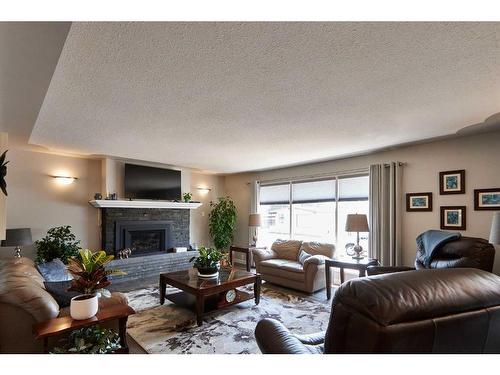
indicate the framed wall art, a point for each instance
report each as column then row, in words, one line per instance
column 452, row 182
column 416, row 202
column 453, row 217
column 487, row 199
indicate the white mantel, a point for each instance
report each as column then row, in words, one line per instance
column 104, row 203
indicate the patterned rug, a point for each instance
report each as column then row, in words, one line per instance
column 171, row 329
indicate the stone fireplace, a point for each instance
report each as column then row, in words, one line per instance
column 147, row 231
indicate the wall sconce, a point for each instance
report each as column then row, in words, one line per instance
column 204, row 190
column 64, row 180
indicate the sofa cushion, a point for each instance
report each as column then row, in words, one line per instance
column 287, row 249
column 316, row 248
column 283, row 268
column 59, row 291
column 303, row 256
column 54, row 271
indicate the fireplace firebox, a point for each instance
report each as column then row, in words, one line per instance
column 144, row 237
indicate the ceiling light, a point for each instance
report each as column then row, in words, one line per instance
column 64, row 180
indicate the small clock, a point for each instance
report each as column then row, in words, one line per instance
column 230, row 295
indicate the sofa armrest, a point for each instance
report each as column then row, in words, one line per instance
column 260, row 255
column 317, row 338
column 380, row 270
column 274, row 338
column 316, row 260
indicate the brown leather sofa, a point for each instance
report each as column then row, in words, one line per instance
column 24, row 301
column 467, row 252
column 454, row 310
column 281, row 264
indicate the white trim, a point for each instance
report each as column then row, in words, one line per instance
column 105, row 203
column 320, row 176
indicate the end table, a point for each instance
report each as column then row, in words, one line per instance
column 346, row 262
column 247, row 250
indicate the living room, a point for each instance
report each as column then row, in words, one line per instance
column 249, row 188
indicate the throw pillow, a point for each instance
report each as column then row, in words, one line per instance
column 59, row 291
column 54, row 271
column 303, row 256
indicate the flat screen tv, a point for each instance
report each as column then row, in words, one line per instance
column 143, row 182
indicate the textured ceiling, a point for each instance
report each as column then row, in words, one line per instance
column 230, row 97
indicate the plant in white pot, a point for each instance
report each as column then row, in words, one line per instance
column 90, row 279
column 207, row 262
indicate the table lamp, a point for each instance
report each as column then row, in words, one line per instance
column 356, row 223
column 495, row 229
column 17, row 237
column 254, row 220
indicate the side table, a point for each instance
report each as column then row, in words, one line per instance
column 346, row 262
column 57, row 326
column 247, row 250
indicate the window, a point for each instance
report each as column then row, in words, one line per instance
column 313, row 210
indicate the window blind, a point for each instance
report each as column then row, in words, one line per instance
column 353, row 188
column 314, row 191
column 275, row 194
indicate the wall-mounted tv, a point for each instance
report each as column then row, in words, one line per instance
column 143, row 182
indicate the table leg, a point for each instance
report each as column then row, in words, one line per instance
column 200, row 307
column 256, row 289
column 122, row 329
column 362, row 272
column 163, row 288
column 328, row 282
column 231, row 256
column 342, row 276
column 248, row 261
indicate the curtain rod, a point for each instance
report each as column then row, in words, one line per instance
column 316, row 176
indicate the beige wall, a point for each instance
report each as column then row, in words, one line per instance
column 479, row 155
column 3, row 207
column 36, row 201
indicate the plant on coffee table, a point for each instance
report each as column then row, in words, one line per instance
column 208, row 260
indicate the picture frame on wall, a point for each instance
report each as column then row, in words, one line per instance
column 418, row 202
column 452, row 182
column 453, row 217
column 487, row 199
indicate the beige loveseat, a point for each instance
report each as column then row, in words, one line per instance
column 281, row 264
column 24, row 301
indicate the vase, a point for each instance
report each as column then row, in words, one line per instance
column 84, row 306
column 209, row 272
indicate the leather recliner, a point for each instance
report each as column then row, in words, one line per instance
column 467, row 252
column 430, row 311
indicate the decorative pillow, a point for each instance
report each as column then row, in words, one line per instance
column 54, row 271
column 316, row 248
column 303, row 256
column 59, row 290
column 287, row 249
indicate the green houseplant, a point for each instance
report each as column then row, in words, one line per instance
column 186, row 197
column 58, row 243
column 90, row 340
column 90, row 278
column 208, row 261
column 222, row 222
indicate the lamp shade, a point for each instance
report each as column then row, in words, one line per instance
column 495, row 229
column 17, row 237
column 356, row 223
column 254, row 220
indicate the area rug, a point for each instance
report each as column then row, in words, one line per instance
column 171, row 329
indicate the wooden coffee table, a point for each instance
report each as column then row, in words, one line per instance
column 205, row 295
column 346, row 262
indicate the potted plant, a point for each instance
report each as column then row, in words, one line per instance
column 58, row 243
column 186, row 197
column 222, row 222
column 90, row 279
column 90, row 340
column 207, row 262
